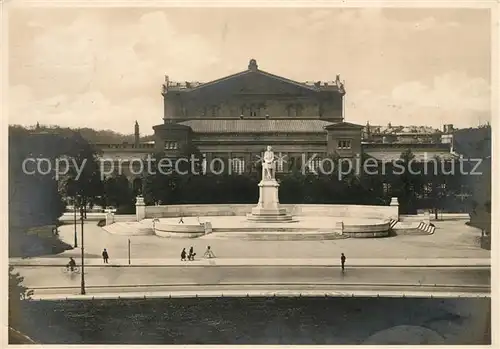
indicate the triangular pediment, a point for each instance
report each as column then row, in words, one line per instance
column 255, row 82
column 344, row 126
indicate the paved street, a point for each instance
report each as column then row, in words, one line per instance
column 36, row 277
column 452, row 239
column 255, row 262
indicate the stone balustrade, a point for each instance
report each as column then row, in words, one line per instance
column 364, row 211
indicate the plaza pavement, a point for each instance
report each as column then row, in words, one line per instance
column 452, row 239
column 397, row 264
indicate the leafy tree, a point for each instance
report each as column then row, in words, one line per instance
column 83, row 180
column 118, row 193
column 33, row 197
column 407, row 181
column 17, row 293
column 157, row 185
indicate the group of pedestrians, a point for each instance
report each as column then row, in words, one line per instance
column 190, row 256
column 184, row 257
column 72, row 266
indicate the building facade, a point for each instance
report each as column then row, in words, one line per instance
column 237, row 116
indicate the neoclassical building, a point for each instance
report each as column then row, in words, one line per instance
column 236, row 116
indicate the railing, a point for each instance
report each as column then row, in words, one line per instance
column 124, row 145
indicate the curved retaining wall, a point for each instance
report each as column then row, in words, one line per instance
column 366, row 211
column 179, row 231
column 367, row 230
column 130, row 229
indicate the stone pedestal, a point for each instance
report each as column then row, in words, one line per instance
column 140, row 208
column 268, row 208
column 395, row 205
column 110, row 217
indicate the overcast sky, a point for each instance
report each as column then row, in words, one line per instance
column 103, row 68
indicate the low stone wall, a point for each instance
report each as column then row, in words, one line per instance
column 366, row 230
column 68, row 217
column 167, row 211
column 417, row 218
column 179, row 230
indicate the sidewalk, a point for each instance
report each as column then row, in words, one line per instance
column 264, row 293
column 275, row 262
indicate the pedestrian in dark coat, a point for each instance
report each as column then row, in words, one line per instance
column 191, row 254
column 105, row 256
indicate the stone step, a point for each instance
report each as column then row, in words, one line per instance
column 278, row 236
column 273, row 230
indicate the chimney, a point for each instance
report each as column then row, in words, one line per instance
column 136, row 133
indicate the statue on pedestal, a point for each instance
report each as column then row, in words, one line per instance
column 268, row 208
column 268, row 165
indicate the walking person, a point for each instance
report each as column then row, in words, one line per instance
column 209, row 253
column 191, row 254
column 105, row 256
column 342, row 261
column 181, row 221
column 183, row 254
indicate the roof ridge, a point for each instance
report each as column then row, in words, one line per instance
column 256, row 71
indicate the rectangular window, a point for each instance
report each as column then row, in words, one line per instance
column 298, row 110
column 314, row 164
column 387, row 187
column 344, row 144
column 427, row 190
column 171, row 145
column 238, row 165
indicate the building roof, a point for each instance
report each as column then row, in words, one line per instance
column 187, row 86
column 401, row 129
column 257, row 126
column 392, row 156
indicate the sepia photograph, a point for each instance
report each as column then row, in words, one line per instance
column 249, row 175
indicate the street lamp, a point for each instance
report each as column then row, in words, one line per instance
column 82, row 290
column 74, row 210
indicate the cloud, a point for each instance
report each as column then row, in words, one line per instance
column 100, row 75
column 90, row 109
column 450, row 98
column 105, row 69
column 115, row 59
column 425, row 23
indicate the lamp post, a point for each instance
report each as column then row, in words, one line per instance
column 74, row 211
column 82, row 290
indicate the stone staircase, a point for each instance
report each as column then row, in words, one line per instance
column 429, row 229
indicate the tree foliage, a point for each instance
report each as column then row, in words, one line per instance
column 118, row 193
column 17, row 293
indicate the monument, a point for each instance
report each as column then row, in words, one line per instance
column 268, row 208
